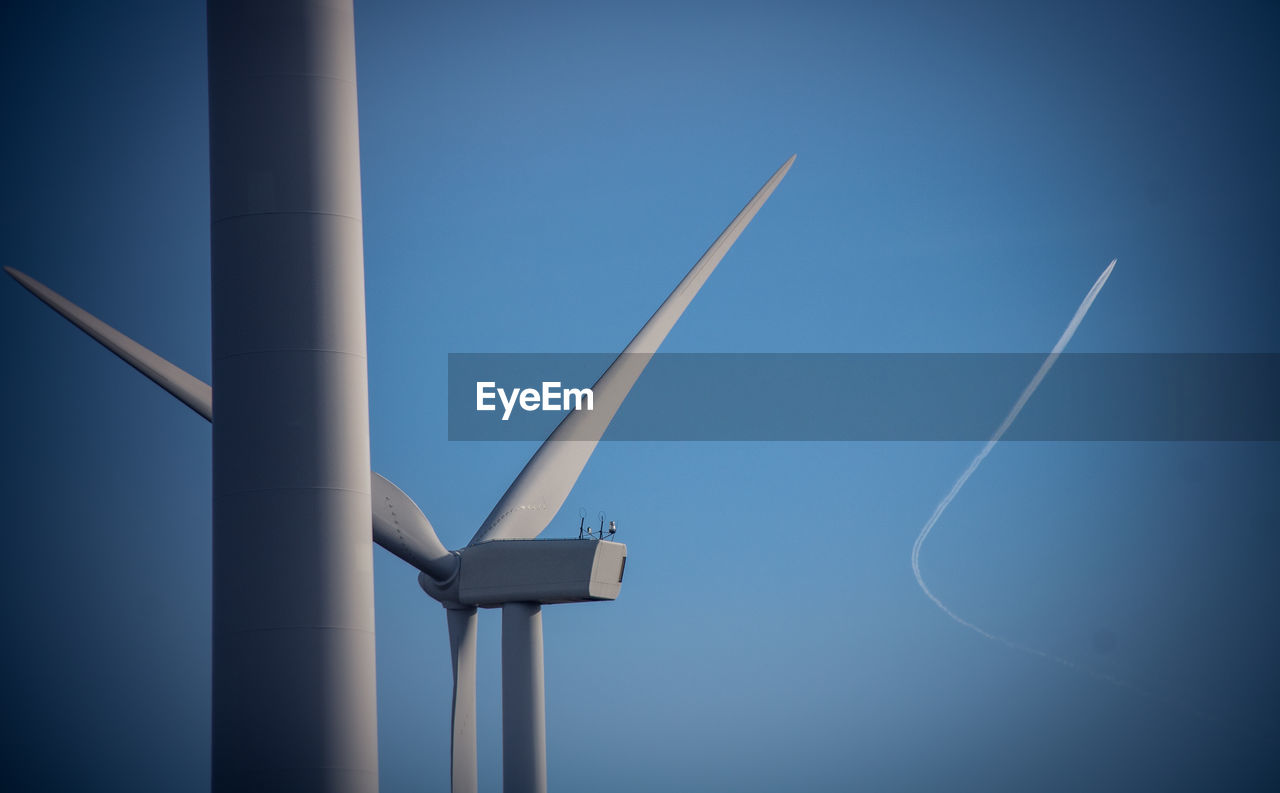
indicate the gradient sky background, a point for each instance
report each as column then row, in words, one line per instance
column 536, row 178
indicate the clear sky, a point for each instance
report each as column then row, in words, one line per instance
column 536, row 178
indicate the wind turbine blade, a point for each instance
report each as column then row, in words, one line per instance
column 541, row 488
column 398, row 524
column 400, row 527
column 462, row 646
column 191, row 391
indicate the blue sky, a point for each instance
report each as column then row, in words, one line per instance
column 536, row 179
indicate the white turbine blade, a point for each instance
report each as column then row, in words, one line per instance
column 400, row 527
column 398, row 524
column 462, row 646
column 541, row 488
column 191, row 391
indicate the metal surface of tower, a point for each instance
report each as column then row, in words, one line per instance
column 294, row 703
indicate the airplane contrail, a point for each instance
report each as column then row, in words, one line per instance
column 1180, row 703
column 977, row 461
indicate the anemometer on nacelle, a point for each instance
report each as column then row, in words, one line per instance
column 586, row 532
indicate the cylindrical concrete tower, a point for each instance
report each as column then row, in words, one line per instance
column 524, row 704
column 293, row 627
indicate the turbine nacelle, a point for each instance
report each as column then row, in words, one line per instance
column 495, row 572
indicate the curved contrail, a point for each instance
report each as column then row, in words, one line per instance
column 982, row 455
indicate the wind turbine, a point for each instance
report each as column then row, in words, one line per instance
column 503, row 565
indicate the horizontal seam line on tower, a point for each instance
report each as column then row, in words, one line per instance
column 274, row 770
column 235, row 77
column 302, row 628
column 224, row 494
column 291, row 349
column 243, row 215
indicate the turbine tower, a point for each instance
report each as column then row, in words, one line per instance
column 294, row 695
